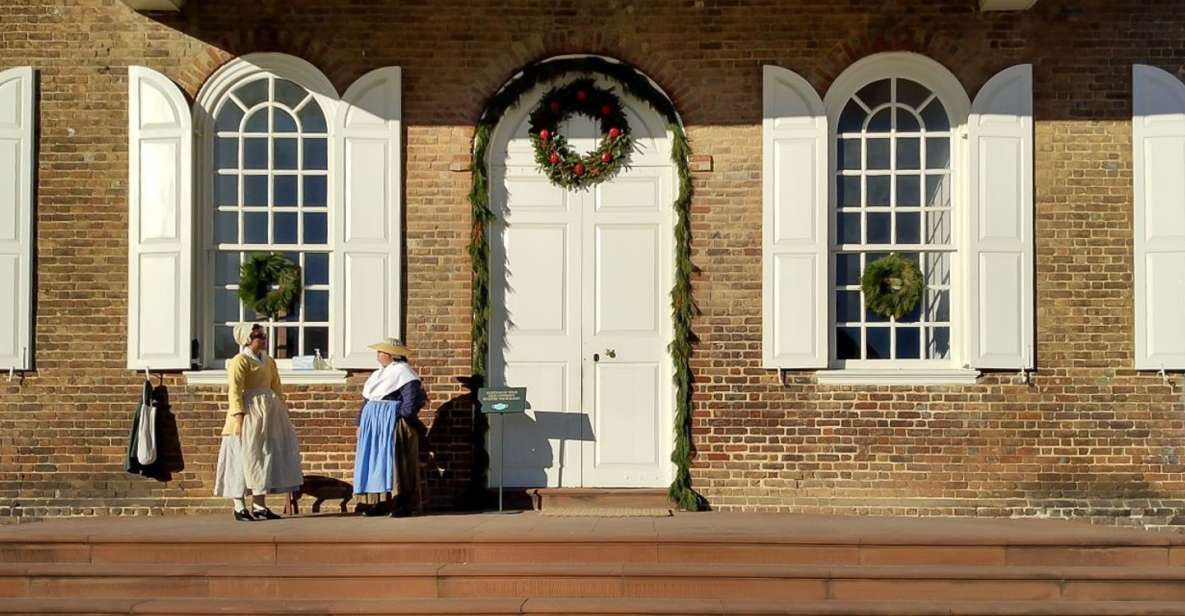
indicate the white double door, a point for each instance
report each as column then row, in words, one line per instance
column 580, row 283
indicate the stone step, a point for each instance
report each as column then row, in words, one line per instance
column 574, row 607
column 598, row 501
column 596, row 580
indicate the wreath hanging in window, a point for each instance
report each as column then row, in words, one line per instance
column 260, row 274
column 892, row 286
column 556, row 159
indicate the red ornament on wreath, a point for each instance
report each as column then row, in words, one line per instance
column 572, row 170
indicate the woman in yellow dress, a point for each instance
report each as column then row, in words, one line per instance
column 259, row 453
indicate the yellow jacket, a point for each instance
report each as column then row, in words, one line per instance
column 244, row 373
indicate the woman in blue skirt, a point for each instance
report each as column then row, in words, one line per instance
column 386, row 459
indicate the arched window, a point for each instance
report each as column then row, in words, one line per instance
column 894, row 122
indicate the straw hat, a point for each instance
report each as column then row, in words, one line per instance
column 391, row 346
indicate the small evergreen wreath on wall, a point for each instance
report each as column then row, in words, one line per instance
column 262, row 272
column 564, row 167
column 892, row 286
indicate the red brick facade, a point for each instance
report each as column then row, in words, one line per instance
column 1090, row 437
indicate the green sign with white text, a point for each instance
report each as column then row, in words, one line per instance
column 502, row 399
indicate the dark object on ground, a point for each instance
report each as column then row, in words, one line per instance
column 322, row 489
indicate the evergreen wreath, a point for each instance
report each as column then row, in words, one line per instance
column 262, row 272
column 892, row 286
column 683, row 306
column 564, row 167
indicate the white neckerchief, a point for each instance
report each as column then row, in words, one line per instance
column 246, row 350
column 387, row 379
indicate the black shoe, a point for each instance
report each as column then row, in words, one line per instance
column 265, row 514
column 376, row 511
column 401, row 512
column 243, row 516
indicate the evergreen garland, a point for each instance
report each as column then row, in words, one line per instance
column 257, row 277
column 892, row 286
column 683, row 305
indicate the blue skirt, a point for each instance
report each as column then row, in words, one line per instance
column 374, row 458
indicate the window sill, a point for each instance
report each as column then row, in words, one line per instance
column 909, row 376
column 287, row 377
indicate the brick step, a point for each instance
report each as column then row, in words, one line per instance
column 588, row 501
column 574, row 607
column 596, row 580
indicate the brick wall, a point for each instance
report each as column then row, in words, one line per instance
column 1089, row 438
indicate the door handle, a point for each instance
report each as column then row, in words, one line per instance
column 611, row 353
column 596, row 357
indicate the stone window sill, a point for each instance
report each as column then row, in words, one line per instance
column 287, row 377
column 911, row 376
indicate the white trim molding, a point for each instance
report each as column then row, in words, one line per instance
column 888, row 376
column 1006, row 5
column 287, row 377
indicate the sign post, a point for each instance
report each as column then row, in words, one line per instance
column 502, row 401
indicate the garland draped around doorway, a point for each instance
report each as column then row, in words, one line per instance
column 683, row 305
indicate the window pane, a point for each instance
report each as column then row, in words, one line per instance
column 938, row 306
column 229, row 117
column 934, row 115
column 255, row 153
column 316, row 156
column 285, row 153
column 852, row 118
column 316, row 268
column 847, row 307
column 911, row 93
column 909, row 227
column 914, row 315
column 847, row 343
column 315, row 230
column 255, row 227
column 315, row 191
column 226, row 268
column 289, row 93
column 909, row 193
column 847, row 269
column 285, row 340
column 311, row 118
column 938, row 344
column 226, row 227
column 879, row 190
column 224, row 343
column 938, row 153
column 909, row 153
column 876, row 93
column 907, row 122
column 909, row 342
column 316, row 339
column 226, row 306
column 228, row 189
column 226, row 153
column 878, row 154
column 292, row 313
column 255, row 190
column 881, row 122
column 282, row 121
column 257, row 121
column 849, row 191
column 937, row 191
column 879, row 226
column 938, row 227
column 849, row 154
column 285, row 227
column 848, row 229
column 284, row 190
column 316, row 305
column 937, row 269
column 253, row 93
column 877, row 343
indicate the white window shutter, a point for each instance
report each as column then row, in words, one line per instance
column 16, row 218
column 1158, row 170
column 367, row 227
column 794, row 239
column 1000, row 280
column 160, row 222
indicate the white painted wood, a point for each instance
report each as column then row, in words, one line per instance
column 1158, row 161
column 17, row 119
column 1006, row 5
column 160, row 222
column 573, row 274
column 794, row 223
column 367, row 219
column 1000, row 289
column 906, row 376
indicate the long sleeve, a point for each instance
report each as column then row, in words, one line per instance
column 275, row 384
column 236, row 374
column 411, row 398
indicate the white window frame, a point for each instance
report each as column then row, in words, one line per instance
column 220, row 84
column 950, row 92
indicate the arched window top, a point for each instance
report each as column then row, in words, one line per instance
column 901, row 80
column 250, row 80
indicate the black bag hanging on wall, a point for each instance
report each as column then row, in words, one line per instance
column 130, row 463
